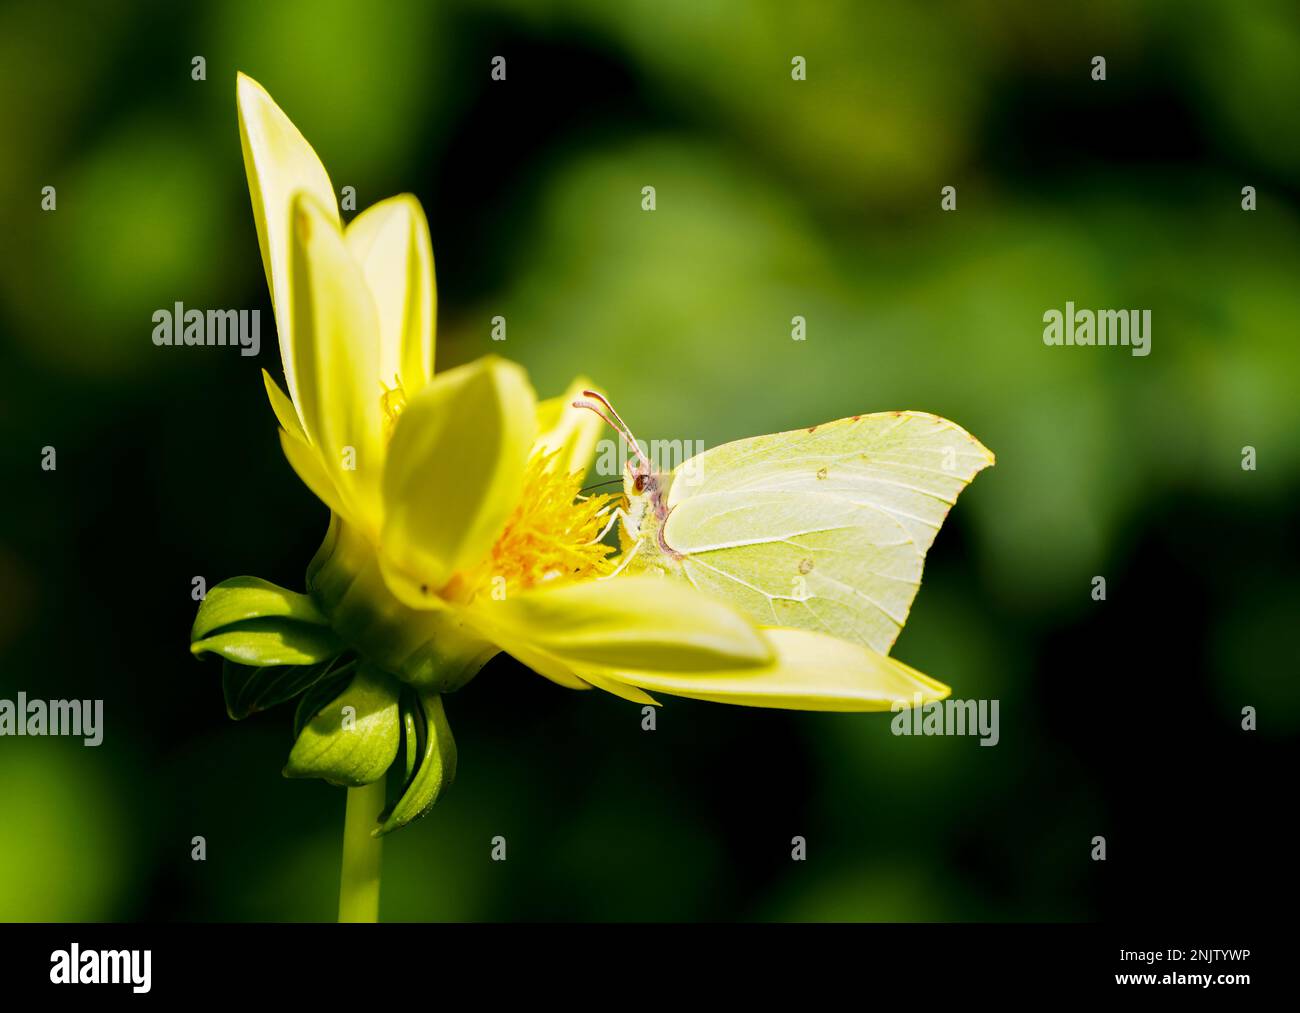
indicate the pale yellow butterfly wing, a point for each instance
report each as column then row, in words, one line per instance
column 825, row 528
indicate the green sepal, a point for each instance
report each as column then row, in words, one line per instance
column 319, row 696
column 261, row 643
column 354, row 739
column 249, row 690
column 431, row 760
column 412, row 732
column 241, row 598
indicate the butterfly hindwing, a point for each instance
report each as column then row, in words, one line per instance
column 806, row 560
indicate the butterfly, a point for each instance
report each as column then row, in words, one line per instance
column 822, row 529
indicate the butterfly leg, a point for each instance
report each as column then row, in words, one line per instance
column 614, row 517
column 627, row 558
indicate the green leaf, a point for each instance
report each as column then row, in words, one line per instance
column 435, row 766
column 272, row 641
column 249, row 690
column 353, row 740
column 241, row 598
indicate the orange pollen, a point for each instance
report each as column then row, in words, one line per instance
column 552, row 536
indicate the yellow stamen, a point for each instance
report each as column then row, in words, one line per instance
column 553, row 535
column 393, row 400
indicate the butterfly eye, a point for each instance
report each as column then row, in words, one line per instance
column 638, row 483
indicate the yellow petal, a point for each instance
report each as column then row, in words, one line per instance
column 810, row 671
column 519, row 647
column 620, row 689
column 285, row 413
column 632, row 622
column 540, row 662
column 336, row 354
column 391, row 243
column 307, row 463
column 279, row 162
column 454, row 474
column 573, row 432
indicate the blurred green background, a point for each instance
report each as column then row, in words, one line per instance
column 775, row 198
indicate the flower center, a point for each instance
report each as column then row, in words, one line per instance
column 553, row 535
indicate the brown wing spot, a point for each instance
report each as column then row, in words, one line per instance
column 822, row 472
column 855, row 418
column 812, row 429
column 805, row 565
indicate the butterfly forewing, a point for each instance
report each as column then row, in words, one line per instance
column 824, row 528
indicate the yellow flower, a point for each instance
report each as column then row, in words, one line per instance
column 457, row 527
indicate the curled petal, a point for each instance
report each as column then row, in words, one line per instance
column 390, row 241
column 454, row 474
column 625, row 622
column 279, row 163
column 808, row 671
column 336, row 354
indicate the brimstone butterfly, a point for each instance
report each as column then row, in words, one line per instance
column 822, row 529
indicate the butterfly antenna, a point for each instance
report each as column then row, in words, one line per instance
column 610, row 408
column 615, row 423
column 599, row 485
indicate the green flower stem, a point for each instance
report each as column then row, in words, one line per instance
column 362, row 854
